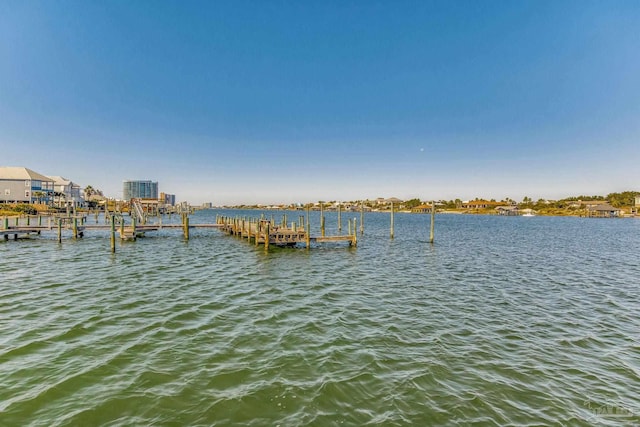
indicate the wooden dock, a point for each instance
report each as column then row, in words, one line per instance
column 262, row 231
column 267, row 232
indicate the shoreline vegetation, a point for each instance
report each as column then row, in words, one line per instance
column 625, row 204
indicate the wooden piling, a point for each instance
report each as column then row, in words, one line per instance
column 59, row 230
column 340, row 218
column 433, row 221
column 186, row 227
column 258, row 224
column 75, row 227
column 354, row 239
column 266, row 236
column 361, row 217
column 321, row 220
column 308, row 234
column 392, row 220
column 113, row 233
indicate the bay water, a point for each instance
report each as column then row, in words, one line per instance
column 502, row 321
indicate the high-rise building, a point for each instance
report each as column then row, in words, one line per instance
column 139, row 190
column 168, row 199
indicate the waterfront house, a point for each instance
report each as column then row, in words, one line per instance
column 479, row 204
column 604, row 210
column 422, row 209
column 66, row 192
column 508, row 210
column 22, row 185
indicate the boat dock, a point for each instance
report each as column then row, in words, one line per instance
column 262, row 231
column 267, row 232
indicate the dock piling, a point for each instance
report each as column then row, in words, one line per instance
column 391, row 220
column 433, row 220
column 308, row 234
column 113, row 234
column 354, row 240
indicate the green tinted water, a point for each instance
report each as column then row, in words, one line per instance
column 503, row 321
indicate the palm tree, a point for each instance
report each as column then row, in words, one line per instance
column 38, row 195
column 88, row 192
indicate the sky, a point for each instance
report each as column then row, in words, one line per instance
column 263, row 102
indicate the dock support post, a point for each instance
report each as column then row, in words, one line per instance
column 308, row 225
column 340, row 218
column 349, row 227
column 59, row 230
column 186, row 227
column 113, row 233
column 361, row 217
column 433, row 221
column 28, row 220
column 75, row 227
column 39, row 221
column 321, row 219
column 392, row 220
column 266, row 237
column 354, row 237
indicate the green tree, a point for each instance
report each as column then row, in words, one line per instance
column 410, row 204
column 624, row 199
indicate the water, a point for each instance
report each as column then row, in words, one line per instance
column 519, row 321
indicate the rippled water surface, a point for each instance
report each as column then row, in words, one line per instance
column 519, row 321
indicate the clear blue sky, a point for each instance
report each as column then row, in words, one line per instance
column 286, row 101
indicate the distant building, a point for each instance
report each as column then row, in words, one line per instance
column 508, row 210
column 426, row 208
column 604, row 210
column 66, row 192
column 207, row 205
column 168, row 199
column 139, row 190
column 22, row 185
column 479, row 204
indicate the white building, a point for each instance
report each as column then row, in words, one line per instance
column 66, row 192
